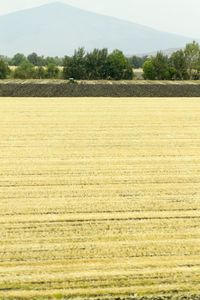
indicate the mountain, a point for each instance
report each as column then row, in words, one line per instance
column 167, row 52
column 58, row 29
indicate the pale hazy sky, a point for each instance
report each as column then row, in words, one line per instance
column 178, row 16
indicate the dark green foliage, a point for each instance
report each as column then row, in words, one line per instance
column 137, row 61
column 40, row 73
column 182, row 65
column 52, row 71
column 162, row 66
column 100, row 65
column 5, row 59
column 25, row 71
column 57, row 61
column 4, row 70
column 28, row 71
column 75, row 66
column 179, row 66
column 18, row 59
column 118, row 66
column 36, row 60
column 97, row 65
column 157, row 67
column 149, row 70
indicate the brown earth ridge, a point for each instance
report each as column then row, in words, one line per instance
column 63, row 88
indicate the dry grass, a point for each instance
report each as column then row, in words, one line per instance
column 99, row 197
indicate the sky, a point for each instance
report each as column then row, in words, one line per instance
column 176, row 16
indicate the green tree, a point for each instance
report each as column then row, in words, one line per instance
column 75, row 66
column 198, row 68
column 118, row 67
column 179, row 65
column 25, row 71
column 162, row 66
column 52, row 71
column 36, row 60
column 58, row 61
column 96, row 64
column 18, row 59
column 4, row 70
column 149, row 71
column 40, row 72
column 137, row 61
column 5, row 59
column 158, row 68
column 192, row 56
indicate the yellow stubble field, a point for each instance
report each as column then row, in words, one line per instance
column 99, row 197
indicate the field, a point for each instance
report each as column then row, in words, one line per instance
column 99, row 197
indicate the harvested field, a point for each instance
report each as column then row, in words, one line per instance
column 99, row 197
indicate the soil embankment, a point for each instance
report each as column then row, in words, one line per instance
column 61, row 88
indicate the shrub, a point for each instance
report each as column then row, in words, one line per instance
column 25, row 71
column 4, row 70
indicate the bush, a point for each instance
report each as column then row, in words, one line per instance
column 25, row 71
column 18, row 59
column 40, row 73
column 52, row 71
column 149, row 71
column 118, row 67
column 4, row 70
column 158, row 68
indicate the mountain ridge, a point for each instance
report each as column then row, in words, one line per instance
column 62, row 28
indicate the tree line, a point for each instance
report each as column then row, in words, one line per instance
column 95, row 65
column 32, row 66
column 99, row 64
column 181, row 65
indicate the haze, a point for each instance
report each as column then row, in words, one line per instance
column 176, row 16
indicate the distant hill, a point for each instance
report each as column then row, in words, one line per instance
column 58, row 29
column 167, row 52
